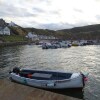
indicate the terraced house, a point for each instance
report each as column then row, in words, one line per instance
column 4, row 31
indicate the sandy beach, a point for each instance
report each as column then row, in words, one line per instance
column 14, row 91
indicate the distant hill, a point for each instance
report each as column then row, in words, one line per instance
column 89, row 28
column 85, row 32
column 41, row 31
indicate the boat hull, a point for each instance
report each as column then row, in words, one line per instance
column 49, row 84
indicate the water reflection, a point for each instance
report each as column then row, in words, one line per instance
column 9, row 57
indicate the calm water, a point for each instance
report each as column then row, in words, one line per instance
column 74, row 59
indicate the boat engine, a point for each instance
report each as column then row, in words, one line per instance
column 16, row 70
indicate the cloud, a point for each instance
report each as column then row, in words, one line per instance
column 55, row 12
column 13, row 11
column 78, row 10
column 97, row 0
column 55, row 26
column 97, row 17
column 51, row 14
column 38, row 10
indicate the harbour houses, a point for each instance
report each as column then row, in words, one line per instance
column 34, row 36
column 4, row 31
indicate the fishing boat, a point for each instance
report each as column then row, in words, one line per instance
column 49, row 46
column 48, row 79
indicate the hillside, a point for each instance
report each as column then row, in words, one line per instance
column 85, row 32
column 89, row 28
column 41, row 31
column 14, row 30
column 18, row 31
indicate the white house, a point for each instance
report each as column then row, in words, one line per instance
column 46, row 37
column 32, row 36
column 4, row 31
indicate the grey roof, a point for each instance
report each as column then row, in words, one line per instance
column 1, row 28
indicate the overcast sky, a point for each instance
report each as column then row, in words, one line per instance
column 51, row 14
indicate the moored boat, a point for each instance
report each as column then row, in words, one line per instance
column 48, row 79
column 49, row 46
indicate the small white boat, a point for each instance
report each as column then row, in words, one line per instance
column 48, row 79
column 49, row 46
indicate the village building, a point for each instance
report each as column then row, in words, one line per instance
column 44, row 37
column 32, row 36
column 4, row 31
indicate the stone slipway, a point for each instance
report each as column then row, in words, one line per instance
column 14, row 91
